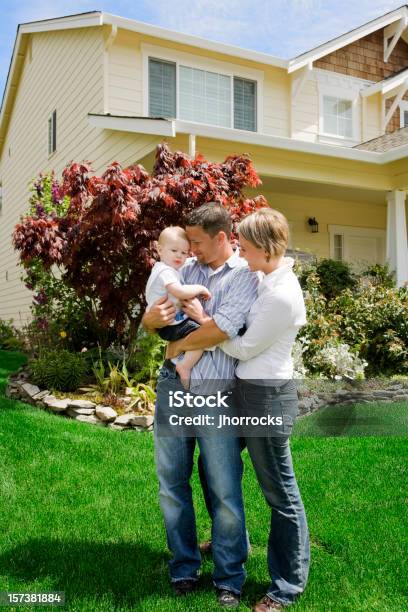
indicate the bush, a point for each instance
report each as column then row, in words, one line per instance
column 147, row 358
column 380, row 275
column 334, row 276
column 58, row 370
column 368, row 323
column 10, row 337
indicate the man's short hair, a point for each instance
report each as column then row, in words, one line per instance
column 212, row 217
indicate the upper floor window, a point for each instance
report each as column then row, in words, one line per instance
column 203, row 96
column 337, row 116
column 52, row 133
column 404, row 114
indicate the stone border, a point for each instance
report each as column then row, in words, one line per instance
column 309, row 401
column 85, row 411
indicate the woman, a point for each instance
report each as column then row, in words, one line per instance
column 265, row 386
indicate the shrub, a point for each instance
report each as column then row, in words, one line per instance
column 147, row 358
column 58, row 370
column 334, row 276
column 380, row 275
column 10, row 337
column 103, row 242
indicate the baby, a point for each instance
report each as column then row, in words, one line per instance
column 174, row 248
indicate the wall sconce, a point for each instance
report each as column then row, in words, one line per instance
column 314, row 226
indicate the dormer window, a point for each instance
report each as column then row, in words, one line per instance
column 337, row 117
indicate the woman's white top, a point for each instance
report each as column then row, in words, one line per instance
column 264, row 351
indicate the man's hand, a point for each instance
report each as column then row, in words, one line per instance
column 173, row 349
column 194, row 310
column 161, row 313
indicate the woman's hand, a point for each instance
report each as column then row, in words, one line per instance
column 173, row 349
column 194, row 310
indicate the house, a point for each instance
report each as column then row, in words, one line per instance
column 327, row 130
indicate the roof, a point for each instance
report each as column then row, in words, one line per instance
column 387, row 85
column 386, row 142
column 330, row 46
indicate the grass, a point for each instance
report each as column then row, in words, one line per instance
column 79, row 513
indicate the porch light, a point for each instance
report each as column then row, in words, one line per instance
column 314, row 226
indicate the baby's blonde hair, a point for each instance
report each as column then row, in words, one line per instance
column 174, row 231
column 267, row 229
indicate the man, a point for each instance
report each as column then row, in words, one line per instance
column 234, row 289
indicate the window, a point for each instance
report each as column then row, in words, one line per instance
column 404, row 114
column 205, row 97
column 244, row 104
column 162, row 88
column 338, row 247
column 194, row 94
column 52, row 133
column 337, row 116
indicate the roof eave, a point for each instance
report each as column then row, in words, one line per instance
column 346, row 39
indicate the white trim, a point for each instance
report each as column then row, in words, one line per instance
column 343, row 94
column 393, row 31
column 403, row 109
column 194, row 41
column 386, row 87
column 346, row 39
column 397, row 244
column 195, row 61
column 134, row 124
column 86, row 20
column 138, row 125
column 352, row 230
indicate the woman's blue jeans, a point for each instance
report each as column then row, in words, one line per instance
column 288, row 544
column 222, row 464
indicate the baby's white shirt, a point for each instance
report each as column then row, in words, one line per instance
column 160, row 276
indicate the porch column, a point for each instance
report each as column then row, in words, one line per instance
column 397, row 244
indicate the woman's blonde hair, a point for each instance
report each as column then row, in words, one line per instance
column 267, row 229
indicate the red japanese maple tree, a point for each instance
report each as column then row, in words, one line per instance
column 104, row 243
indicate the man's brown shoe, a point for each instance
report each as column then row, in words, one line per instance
column 267, row 605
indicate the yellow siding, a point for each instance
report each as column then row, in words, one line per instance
column 65, row 73
column 373, row 117
column 298, row 209
column 125, row 75
column 125, row 79
column 305, row 113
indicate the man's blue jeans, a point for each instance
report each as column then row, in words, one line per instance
column 222, row 464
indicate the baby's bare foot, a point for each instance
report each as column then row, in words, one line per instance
column 185, row 373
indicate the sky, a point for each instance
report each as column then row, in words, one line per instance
column 283, row 28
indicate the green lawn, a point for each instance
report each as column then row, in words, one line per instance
column 79, row 513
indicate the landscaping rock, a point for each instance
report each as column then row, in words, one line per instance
column 142, row 420
column 29, row 390
column 106, row 413
column 54, row 404
column 74, row 412
column 93, row 420
column 125, row 419
column 117, row 427
column 79, row 403
column 41, row 395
